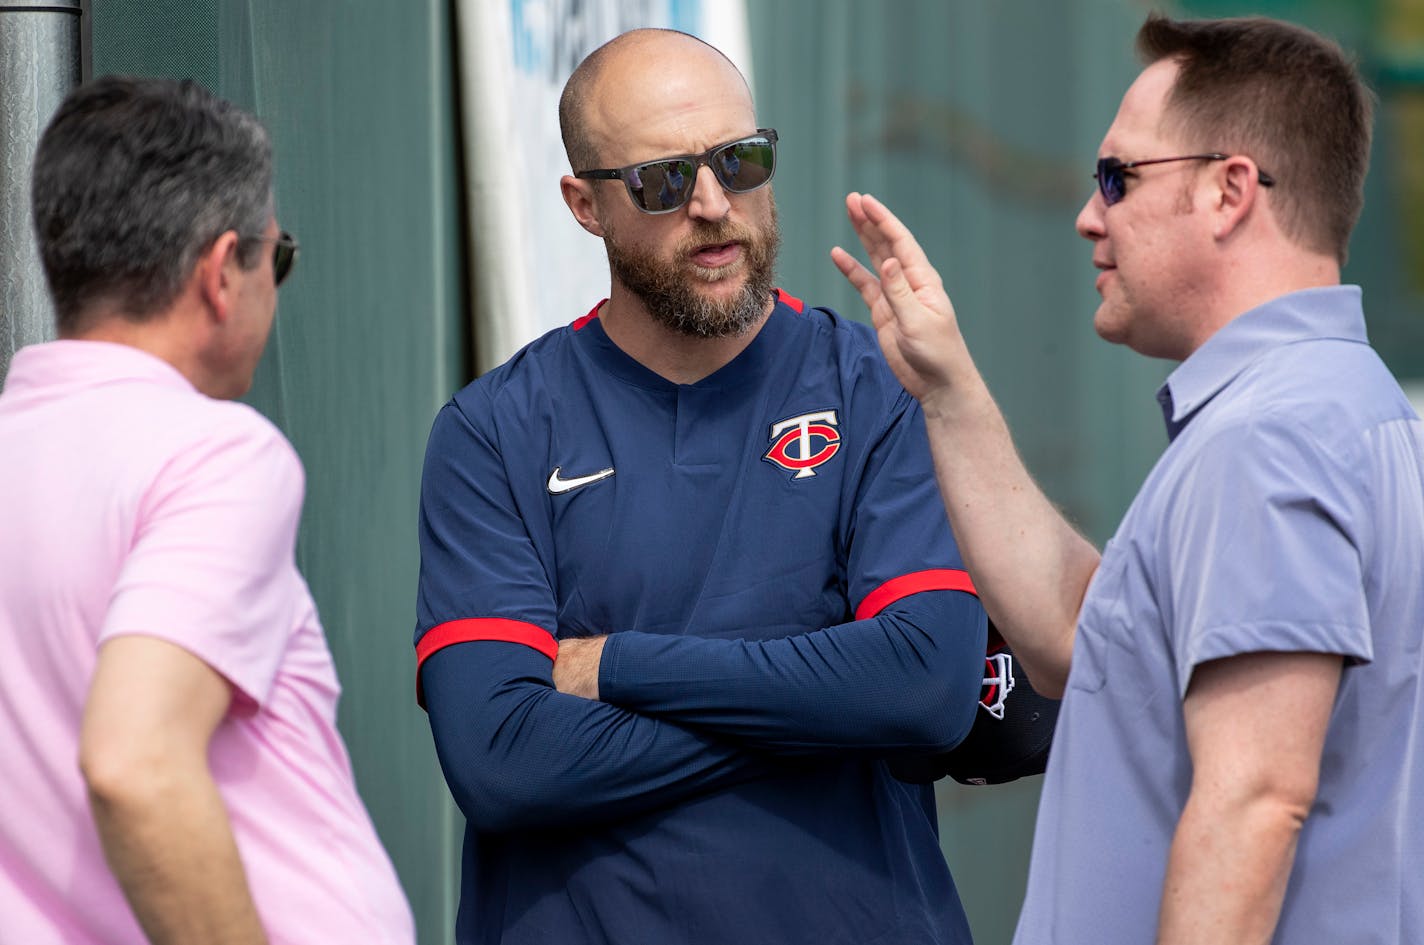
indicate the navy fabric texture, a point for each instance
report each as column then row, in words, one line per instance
column 733, row 784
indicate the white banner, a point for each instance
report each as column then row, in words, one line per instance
column 533, row 268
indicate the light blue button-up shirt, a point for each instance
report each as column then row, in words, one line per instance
column 1287, row 514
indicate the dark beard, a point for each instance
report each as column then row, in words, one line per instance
column 670, row 295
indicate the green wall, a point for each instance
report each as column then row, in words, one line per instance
column 368, row 340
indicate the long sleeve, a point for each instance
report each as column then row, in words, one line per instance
column 904, row 673
column 906, row 679
column 516, row 752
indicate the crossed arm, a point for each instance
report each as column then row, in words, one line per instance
column 694, row 714
column 904, row 680
column 151, row 710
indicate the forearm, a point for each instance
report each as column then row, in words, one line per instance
column 1227, row 872
column 168, row 841
column 143, row 752
column 1030, row 567
column 518, row 754
column 908, row 679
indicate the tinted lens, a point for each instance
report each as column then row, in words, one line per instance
column 284, row 253
column 1110, row 180
column 660, row 186
column 744, row 165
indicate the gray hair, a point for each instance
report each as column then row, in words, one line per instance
column 133, row 179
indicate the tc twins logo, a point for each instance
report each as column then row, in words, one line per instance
column 998, row 683
column 802, row 443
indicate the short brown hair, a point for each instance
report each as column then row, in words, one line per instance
column 1289, row 98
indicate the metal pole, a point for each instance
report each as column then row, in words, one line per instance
column 39, row 64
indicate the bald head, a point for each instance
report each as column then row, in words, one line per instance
column 609, row 89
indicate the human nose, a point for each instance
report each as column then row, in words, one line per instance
column 709, row 201
column 1090, row 219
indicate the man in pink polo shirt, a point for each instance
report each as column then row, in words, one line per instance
column 170, row 768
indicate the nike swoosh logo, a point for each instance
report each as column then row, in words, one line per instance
column 559, row 486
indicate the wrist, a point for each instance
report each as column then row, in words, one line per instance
column 576, row 668
column 938, row 402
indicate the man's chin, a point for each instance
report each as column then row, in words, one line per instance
column 1110, row 325
column 724, row 294
column 727, row 279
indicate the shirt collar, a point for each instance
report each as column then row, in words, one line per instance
column 1327, row 312
column 70, row 364
column 752, row 362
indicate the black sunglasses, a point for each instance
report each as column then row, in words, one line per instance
column 1112, row 173
column 284, row 253
column 663, row 185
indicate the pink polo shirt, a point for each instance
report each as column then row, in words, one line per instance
column 132, row 504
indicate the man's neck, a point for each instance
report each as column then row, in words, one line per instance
column 672, row 355
column 1262, row 280
column 166, row 336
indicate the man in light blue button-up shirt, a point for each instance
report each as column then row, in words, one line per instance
column 1240, row 754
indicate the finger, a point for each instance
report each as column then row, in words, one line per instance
column 853, row 207
column 860, row 277
column 899, row 242
column 896, row 288
column 892, row 230
column 865, row 230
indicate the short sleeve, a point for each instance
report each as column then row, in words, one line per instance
column 900, row 542
column 1264, row 549
column 212, row 564
column 481, row 576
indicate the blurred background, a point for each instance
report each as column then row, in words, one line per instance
column 418, row 161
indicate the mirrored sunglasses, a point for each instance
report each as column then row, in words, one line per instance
column 666, row 184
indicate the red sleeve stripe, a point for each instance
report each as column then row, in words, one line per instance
column 791, row 300
column 583, row 320
column 480, row 628
column 939, row 579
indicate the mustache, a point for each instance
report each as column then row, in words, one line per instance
column 715, row 234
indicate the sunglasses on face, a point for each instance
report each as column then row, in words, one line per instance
column 663, row 185
column 284, row 253
column 1111, row 174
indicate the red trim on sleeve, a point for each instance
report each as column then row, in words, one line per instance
column 938, row 579
column 480, row 628
column 585, row 319
column 790, row 300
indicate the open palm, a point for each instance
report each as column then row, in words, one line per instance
column 909, row 308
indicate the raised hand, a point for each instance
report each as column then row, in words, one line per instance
column 912, row 314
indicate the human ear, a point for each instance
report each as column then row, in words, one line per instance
column 1238, row 184
column 213, row 272
column 578, row 194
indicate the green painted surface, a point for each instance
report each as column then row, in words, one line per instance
column 368, row 340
